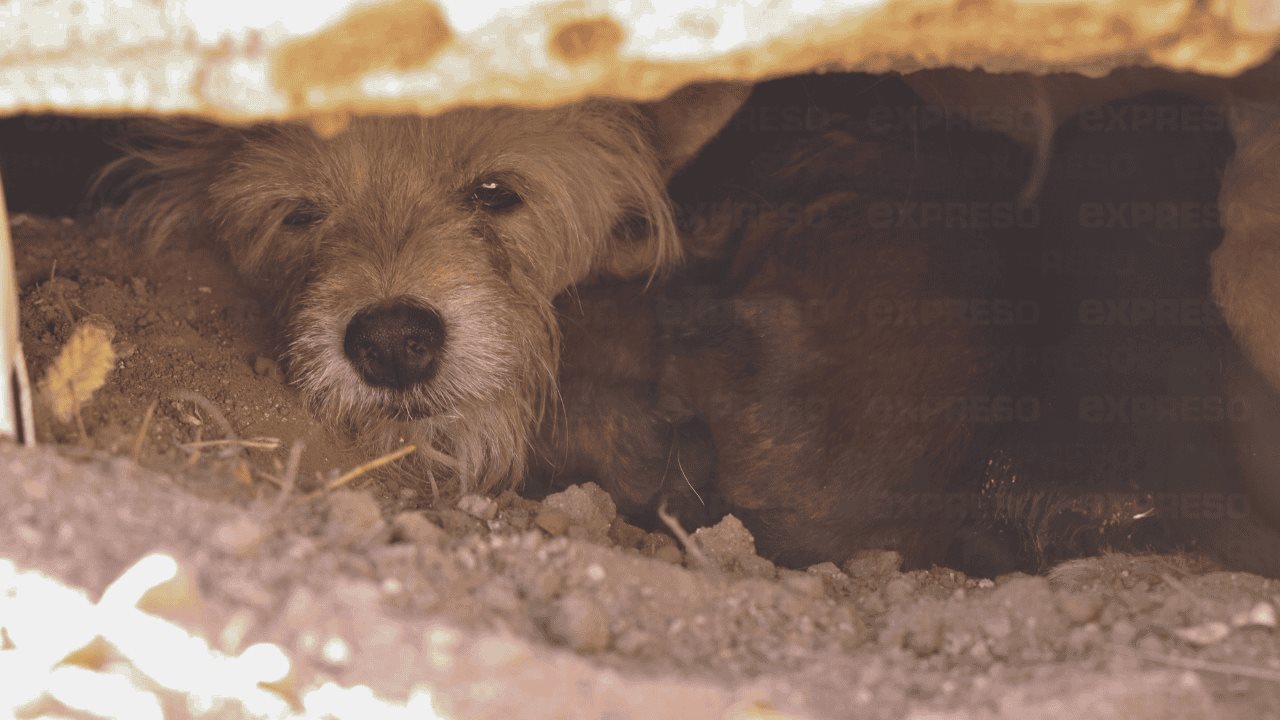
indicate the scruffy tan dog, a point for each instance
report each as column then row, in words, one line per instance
column 414, row 261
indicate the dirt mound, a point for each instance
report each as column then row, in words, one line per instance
column 509, row 607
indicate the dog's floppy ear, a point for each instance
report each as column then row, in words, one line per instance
column 688, row 118
column 678, row 126
column 165, row 174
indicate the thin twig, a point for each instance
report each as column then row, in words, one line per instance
column 23, row 385
column 195, row 456
column 690, row 545
column 57, row 291
column 371, row 465
column 207, row 405
column 258, row 443
column 289, row 482
column 75, row 408
column 141, row 437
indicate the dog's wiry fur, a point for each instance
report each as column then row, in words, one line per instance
column 389, row 213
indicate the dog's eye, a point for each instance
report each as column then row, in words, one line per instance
column 304, row 215
column 493, row 196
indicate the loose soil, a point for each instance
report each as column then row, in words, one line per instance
column 553, row 609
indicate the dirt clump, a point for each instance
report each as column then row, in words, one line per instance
column 511, row 607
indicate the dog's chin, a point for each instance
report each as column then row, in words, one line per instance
column 406, row 412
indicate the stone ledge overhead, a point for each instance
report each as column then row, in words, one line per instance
column 240, row 60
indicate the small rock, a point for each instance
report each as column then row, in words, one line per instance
column 826, row 570
column 580, row 623
column 669, row 554
column 544, row 586
column 873, row 604
column 240, row 538
column 1262, row 614
column 804, row 583
column 554, row 522
column 266, row 367
column 661, row 546
column 756, row 566
column 652, row 541
column 517, row 512
column 458, row 523
column 1205, row 634
column 726, row 543
column 624, row 534
column 336, row 651
column 899, row 589
column 873, row 564
column 479, row 507
column 354, row 517
column 414, row 527
column 587, row 506
column 1081, row 608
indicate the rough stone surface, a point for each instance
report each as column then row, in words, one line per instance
column 245, row 61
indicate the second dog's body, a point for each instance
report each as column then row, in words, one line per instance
column 820, row 369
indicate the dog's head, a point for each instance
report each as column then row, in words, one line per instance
column 414, row 260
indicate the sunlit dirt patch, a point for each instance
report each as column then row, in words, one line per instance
column 119, row 658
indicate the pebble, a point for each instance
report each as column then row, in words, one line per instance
column 414, row 527
column 873, row 564
column 479, row 507
column 354, row 517
column 669, row 554
column 804, row 583
column 899, row 589
column 726, row 543
column 580, row 623
column 1081, row 608
column 625, row 535
column 553, row 521
column 1204, row 634
column 588, row 508
column 240, row 538
column 266, row 367
column 1262, row 614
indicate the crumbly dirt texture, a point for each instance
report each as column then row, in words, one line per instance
column 511, row 608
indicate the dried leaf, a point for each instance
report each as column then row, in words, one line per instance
column 78, row 371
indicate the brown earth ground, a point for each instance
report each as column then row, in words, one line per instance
column 514, row 608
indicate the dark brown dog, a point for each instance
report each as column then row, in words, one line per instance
column 819, row 369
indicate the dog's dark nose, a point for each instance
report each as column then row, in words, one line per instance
column 395, row 344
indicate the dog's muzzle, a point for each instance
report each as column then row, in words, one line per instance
column 395, row 344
